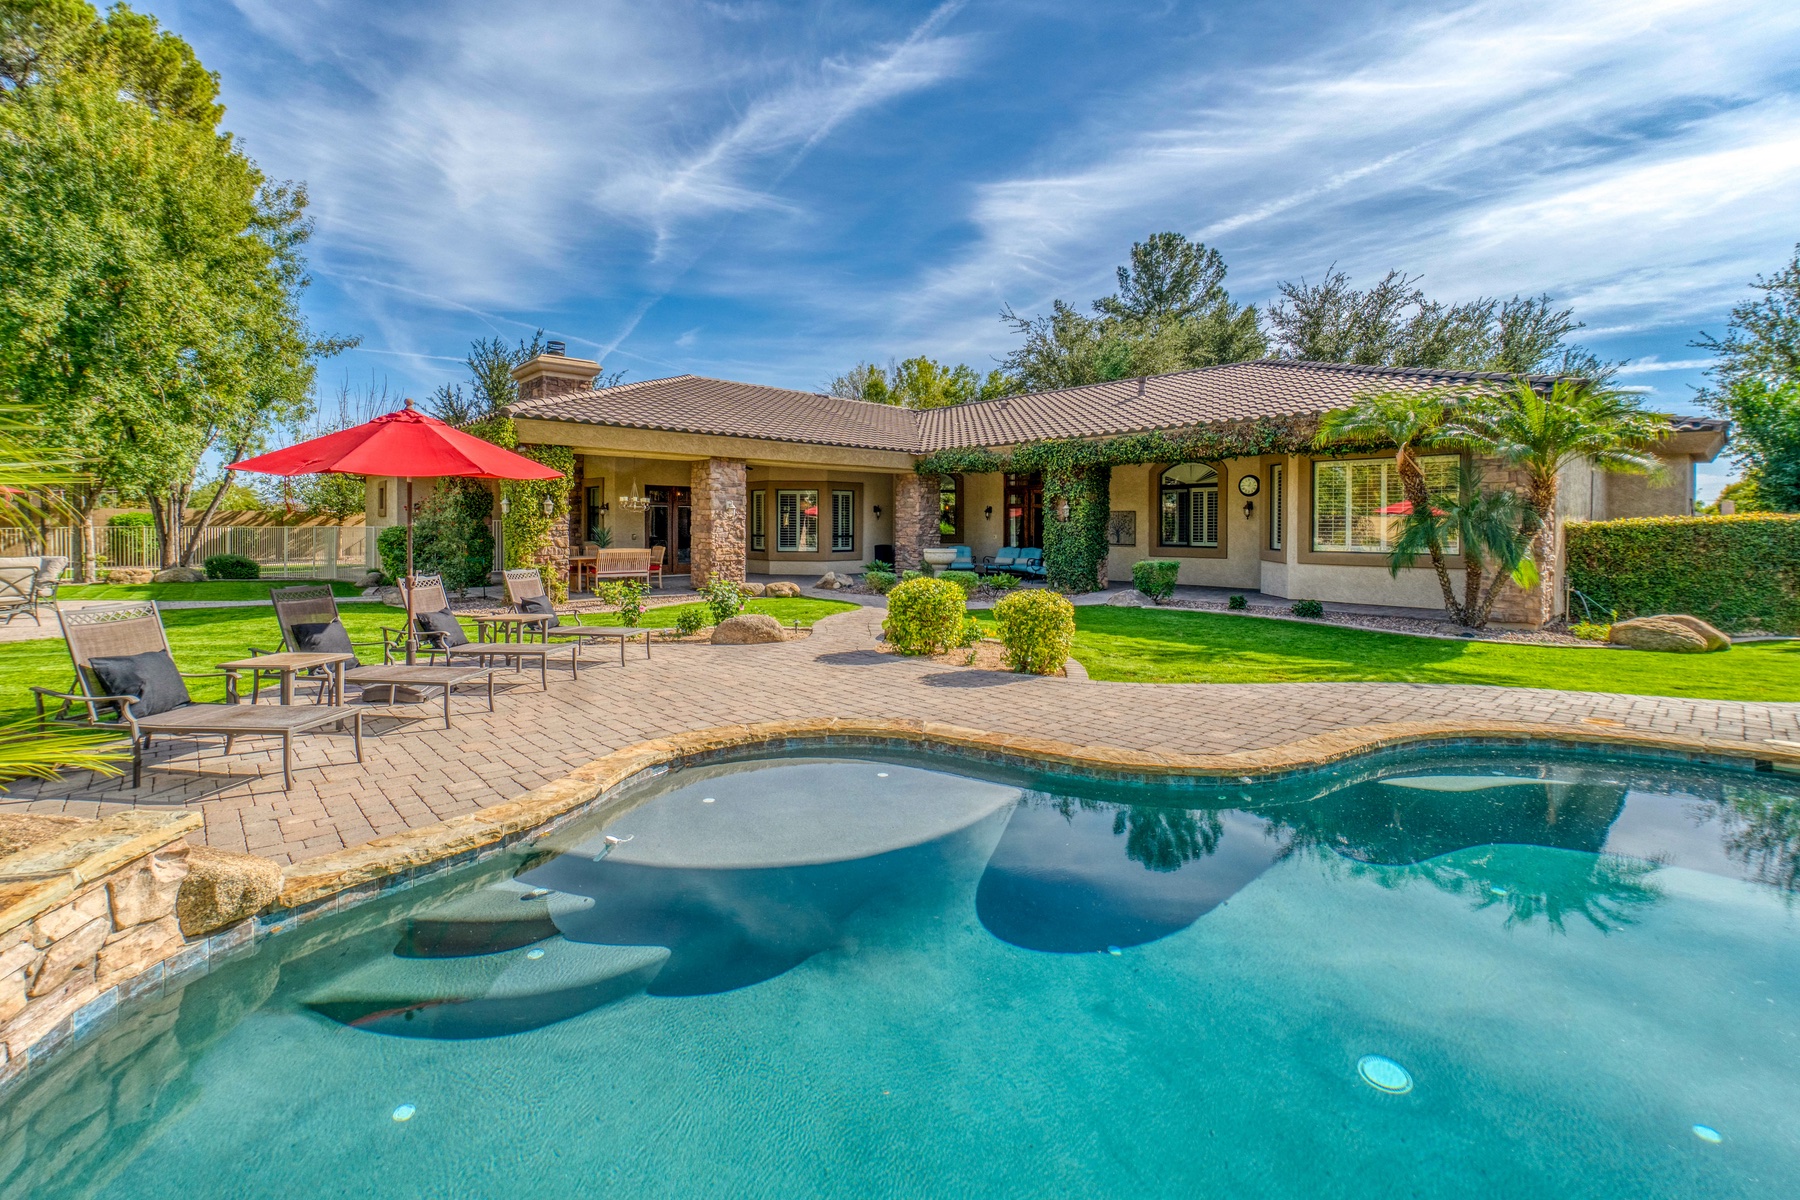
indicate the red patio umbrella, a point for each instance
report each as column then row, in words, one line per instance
column 408, row 444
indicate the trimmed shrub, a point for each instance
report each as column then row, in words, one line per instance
column 690, row 620
column 1236, row 603
column 914, row 574
column 131, row 520
column 1003, row 582
column 1037, row 627
column 1741, row 573
column 925, row 616
column 1155, row 577
column 723, row 598
column 232, row 566
column 968, row 581
column 1308, row 608
column 880, row 582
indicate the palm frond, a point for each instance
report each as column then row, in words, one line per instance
column 27, row 752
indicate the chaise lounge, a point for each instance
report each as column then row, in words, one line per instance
column 122, row 660
column 525, row 592
column 439, row 632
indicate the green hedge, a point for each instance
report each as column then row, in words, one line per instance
column 1742, row 572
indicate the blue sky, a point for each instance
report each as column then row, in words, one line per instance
column 771, row 192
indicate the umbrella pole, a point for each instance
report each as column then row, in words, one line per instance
column 412, row 637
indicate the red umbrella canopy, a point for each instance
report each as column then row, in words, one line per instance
column 408, row 443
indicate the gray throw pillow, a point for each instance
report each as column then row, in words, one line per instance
column 151, row 676
column 541, row 604
column 444, row 624
column 329, row 637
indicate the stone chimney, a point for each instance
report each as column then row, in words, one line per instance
column 554, row 373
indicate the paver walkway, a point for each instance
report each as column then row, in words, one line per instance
column 417, row 772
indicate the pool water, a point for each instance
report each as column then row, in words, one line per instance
column 1455, row 973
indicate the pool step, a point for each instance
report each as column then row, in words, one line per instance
column 502, row 917
column 486, row 995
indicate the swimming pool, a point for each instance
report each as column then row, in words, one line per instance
column 1439, row 973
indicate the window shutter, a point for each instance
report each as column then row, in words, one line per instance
column 1277, row 501
column 843, row 520
column 759, row 537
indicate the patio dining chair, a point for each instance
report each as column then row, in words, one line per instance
column 439, row 632
column 1029, row 563
column 525, row 592
column 1005, row 560
column 122, row 662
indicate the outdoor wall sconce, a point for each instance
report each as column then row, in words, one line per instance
column 988, row 512
column 1249, row 507
column 505, row 505
column 549, row 506
column 1062, row 510
column 878, row 510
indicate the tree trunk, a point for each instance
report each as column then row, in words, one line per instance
column 1412, row 483
column 192, row 543
column 159, row 516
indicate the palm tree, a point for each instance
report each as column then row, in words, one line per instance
column 1410, row 422
column 1485, row 526
column 31, row 477
column 1543, row 431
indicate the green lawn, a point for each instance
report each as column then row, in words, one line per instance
column 212, row 589
column 1147, row 646
column 202, row 638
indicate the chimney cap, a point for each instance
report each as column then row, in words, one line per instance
column 559, row 349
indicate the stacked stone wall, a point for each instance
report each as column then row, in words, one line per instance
column 718, row 515
column 915, row 519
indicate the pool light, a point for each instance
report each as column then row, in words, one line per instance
column 535, row 952
column 1384, row 1074
column 1707, row 1133
column 708, row 799
column 404, row 1113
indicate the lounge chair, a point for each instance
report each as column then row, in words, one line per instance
column 525, row 592
column 964, row 560
column 48, row 577
column 309, row 620
column 18, row 587
column 126, row 642
column 1029, row 563
column 439, row 632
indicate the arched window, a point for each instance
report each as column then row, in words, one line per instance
column 1190, row 506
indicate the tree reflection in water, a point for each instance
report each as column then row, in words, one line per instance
column 1529, row 882
column 1761, row 830
column 1161, row 838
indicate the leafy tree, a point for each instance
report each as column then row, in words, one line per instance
column 332, row 494
column 153, row 273
column 1743, row 497
column 491, row 386
column 1171, row 313
column 1543, row 430
column 1394, row 324
column 1756, row 383
column 237, row 498
column 919, row 382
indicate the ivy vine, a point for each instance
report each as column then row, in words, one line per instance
column 528, row 540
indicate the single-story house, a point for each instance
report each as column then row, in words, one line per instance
column 738, row 477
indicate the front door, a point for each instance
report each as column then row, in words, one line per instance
column 669, row 522
column 1025, row 510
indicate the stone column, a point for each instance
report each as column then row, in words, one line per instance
column 719, row 516
column 915, row 519
column 577, row 516
column 1514, row 605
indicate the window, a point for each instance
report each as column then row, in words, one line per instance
column 1190, row 506
column 1277, row 504
column 843, row 521
column 797, row 522
column 759, row 533
column 1357, row 506
column 596, row 496
column 949, row 509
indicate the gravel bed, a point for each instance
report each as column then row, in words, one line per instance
column 1418, row 626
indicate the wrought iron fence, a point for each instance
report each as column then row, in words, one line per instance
column 305, row 552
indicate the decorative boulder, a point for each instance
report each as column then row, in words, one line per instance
column 1130, row 599
column 747, row 629
column 784, row 590
column 1716, row 639
column 830, row 581
column 1666, row 634
column 179, row 575
column 752, row 589
column 222, row 888
column 370, row 579
column 128, row 575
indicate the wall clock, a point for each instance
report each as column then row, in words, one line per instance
column 1249, row 485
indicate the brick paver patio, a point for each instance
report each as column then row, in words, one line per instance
column 418, row 773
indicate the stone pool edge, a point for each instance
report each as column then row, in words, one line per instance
column 342, row 878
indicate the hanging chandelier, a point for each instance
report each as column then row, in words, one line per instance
column 634, row 503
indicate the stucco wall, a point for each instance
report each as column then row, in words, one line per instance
column 1134, row 489
column 1642, row 496
column 873, row 490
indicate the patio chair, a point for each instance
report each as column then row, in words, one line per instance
column 1005, row 560
column 309, row 620
column 525, row 592
column 122, row 661
column 49, row 571
column 656, row 565
column 1029, row 563
column 18, row 590
column 439, row 632
column 964, row 560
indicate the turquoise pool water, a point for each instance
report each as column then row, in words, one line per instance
column 1469, row 973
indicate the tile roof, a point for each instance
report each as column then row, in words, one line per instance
column 1233, row 392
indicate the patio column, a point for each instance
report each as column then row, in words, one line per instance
column 915, row 519
column 1536, row 607
column 716, row 536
